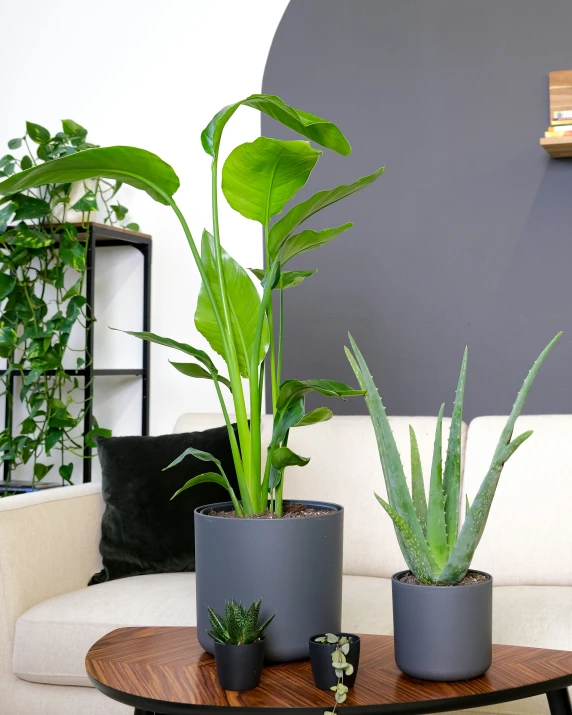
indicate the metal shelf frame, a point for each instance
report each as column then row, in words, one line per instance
column 101, row 236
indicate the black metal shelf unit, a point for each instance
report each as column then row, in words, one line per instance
column 100, row 235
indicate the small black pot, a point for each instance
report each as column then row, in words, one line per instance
column 442, row 632
column 239, row 667
column 321, row 660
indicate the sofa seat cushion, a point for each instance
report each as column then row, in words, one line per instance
column 53, row 637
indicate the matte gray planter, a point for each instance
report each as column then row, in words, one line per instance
column 293, row 565
column 442, row 632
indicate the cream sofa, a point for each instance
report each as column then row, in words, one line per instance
column 49, row 549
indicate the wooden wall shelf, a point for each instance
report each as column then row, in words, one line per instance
column 558, row 147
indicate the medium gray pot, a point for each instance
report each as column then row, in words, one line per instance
column 293, row 565
column 442, row 632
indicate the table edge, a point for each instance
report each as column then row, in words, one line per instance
column 417, row 707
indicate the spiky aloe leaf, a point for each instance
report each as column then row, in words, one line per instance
column 417, row 485
column 452, row 473
column 436, row 530
column 476, row 519
column 412, row 550
column 395, row 482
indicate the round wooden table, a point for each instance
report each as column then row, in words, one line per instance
column 165, row 671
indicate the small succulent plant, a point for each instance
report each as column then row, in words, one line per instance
column 239, row 626
column 436, row 548
column 340, row 665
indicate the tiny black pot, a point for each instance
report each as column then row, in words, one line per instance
column 442, row 632
column 321, row 660
column 239, row 667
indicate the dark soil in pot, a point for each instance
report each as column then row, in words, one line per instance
column 443, row 632
column 293, row 564
column 239, row 667
column 321, row 661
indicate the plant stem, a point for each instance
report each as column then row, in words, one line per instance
column 272, row 355
column 231, row 357
column 280, row 338
column 234, row 373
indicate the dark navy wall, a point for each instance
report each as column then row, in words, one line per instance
column 467, row 238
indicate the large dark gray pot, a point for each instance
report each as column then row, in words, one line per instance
column 442, row 632
column 293, row 565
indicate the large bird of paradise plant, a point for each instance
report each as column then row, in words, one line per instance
column 258, row 179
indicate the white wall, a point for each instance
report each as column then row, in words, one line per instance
column 148, row 74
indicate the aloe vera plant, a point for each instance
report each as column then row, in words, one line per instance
column 239, row 626
column 434, row 549
column 234, row 314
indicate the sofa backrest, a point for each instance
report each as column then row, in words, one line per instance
column 345, row 469
column 528, row 537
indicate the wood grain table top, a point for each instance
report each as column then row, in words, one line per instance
column 165, row 670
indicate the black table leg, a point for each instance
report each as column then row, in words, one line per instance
column 559, row 702
column 138, row 711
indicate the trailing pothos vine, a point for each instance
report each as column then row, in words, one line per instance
column 42, row 274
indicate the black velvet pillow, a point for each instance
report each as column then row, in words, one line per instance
column 142, row 531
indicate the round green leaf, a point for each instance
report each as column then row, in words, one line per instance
column 260, row 177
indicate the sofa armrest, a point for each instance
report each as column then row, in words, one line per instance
column 48, row 546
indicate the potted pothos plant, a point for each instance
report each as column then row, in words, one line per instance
column 293, row 564
column 442, row 611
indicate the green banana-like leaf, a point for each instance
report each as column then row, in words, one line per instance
column 309, row 240
column 285, row 419
column 283, row 228
column 200, row 355
column 285, row 457
column 294, row 389
column 260, row 177
column 452, row 473
column 288, row 279
column 436, row 530
column 216, row 479
column 243, row 299
column 198, row 454
column 136, row 167
column 191, row 369
column 308, row 125
column 320, row 414
column 413, row 552
column 395, row 482
column 201, row 479
column 475, row 521
column 417, row 485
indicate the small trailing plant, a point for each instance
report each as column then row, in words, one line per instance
column 235, row 313
column 42, row 275
column 239, row 626
column 340, row 665
column 434, row 549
